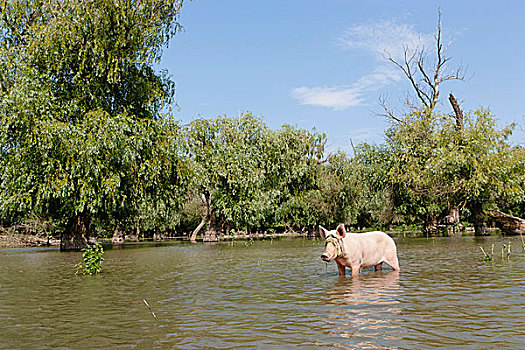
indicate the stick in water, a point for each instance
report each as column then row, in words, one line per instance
column 149, row 307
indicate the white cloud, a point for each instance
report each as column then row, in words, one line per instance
column 382, row 76
column 385, row 38
column 340, row 98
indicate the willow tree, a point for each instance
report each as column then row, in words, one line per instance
column 251, row 177
column 230, row 162
column 296, row 173
column 82, row 129
column 366, row 195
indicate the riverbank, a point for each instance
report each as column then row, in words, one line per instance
column 25, row 240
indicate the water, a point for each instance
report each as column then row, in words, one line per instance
column 270, row 295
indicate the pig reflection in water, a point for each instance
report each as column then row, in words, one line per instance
column 376, row 288
column 358, row 250
column 367, row 310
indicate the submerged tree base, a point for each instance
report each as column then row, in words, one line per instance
column 75, row 235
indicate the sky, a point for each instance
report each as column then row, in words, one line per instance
column 321, row 64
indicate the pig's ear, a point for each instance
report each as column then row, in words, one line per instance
column 341, row 230
column 322, row 231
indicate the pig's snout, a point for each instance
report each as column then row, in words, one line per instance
column 325, row 257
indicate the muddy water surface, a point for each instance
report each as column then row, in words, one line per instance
column 270, row 295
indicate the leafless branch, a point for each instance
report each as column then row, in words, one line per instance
column 353, row 147
column 424, row 76
column 388, row 112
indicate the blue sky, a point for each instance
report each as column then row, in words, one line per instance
column 320, row 64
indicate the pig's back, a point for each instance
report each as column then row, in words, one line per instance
column 377, row 236
column 375, row 246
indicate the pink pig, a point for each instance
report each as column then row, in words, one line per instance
column 358, row 250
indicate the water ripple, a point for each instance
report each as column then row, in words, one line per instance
column 271, row 295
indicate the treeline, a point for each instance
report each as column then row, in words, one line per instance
column 236, row 174
column 430, row 173
column 88, row 147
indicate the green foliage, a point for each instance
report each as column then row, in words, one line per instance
column 85, row 133
column 366, row 196
column 89, row 55
column 82, row 129
column 252, row 176
column 442, row 166
column 92, row 259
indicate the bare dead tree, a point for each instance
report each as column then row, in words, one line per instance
column 425, row 75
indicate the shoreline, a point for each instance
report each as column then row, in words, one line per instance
column 28, row 240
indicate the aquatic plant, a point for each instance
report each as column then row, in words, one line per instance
column 92, row 259
column 505, row 248
column 486, row 256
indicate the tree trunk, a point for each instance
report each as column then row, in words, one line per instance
column 134, row 236
column 451, row 221
column 75, row 235
column 193, row 237
column 118, row 236
column 457, row 111
column 479, row 220
column 430, row 225
column 158, row 236
column 210, row 235
column 507, row 223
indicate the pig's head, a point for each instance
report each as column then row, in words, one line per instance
column 335, row 246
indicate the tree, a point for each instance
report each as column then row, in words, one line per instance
column 228, row 156
column 251, row 177
column 426, row 74
column 82, row 131
column 297, row 175
column 445, row 167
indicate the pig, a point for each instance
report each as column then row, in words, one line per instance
column 358, row 250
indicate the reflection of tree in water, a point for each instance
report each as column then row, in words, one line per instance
column 364, row 310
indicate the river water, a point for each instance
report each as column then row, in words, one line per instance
column 273, row 294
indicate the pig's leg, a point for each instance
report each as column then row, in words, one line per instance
column 392, row 261
column 355, row 270
column 378, row 267
column 341, row 269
